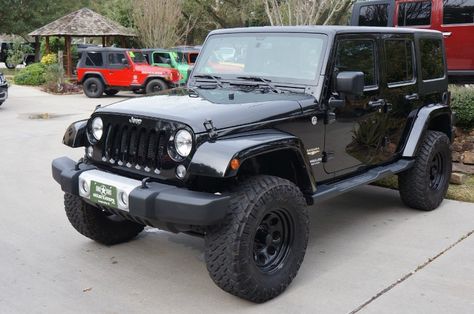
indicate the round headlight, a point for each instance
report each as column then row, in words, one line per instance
column 183, row 142
column 97, row 128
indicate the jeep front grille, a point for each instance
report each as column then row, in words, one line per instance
column 141, row 148
column 134, row 147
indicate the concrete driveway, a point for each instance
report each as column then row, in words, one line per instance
column 367, row 253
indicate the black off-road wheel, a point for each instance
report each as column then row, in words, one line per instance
column 98, row 225
column 155, row 86
column 111, row 92
column 257, row 250
column 93, row 87
column 9, row 65
column 425, row 185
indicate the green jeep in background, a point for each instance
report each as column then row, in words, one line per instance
column 181, row 59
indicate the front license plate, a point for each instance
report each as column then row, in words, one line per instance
column 103, row 194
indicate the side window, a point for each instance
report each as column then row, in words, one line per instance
column 399, row 56
column 373, row 15
column 414, row 13
column 162, row 58
column 458, row 11
column 357, row 55
column 94, row 59
column 116, row 58
column 432, row 66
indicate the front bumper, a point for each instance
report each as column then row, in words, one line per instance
column 157, row 203
column 3, row 92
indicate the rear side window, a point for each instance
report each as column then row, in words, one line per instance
column 373, row 15
column 414, row 13
column 458, row 11
column 432, row 65
column 357, row 55
column 399, row 56
column 94, row 59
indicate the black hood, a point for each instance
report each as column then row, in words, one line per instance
column 226, row 108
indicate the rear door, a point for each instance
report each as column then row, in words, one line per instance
column 458, row 29
column 373, row 13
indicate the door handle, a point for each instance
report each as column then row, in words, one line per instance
column 446, row 34
column 377, row 103
column 412, row 97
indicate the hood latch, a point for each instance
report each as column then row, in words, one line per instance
column 211, row 129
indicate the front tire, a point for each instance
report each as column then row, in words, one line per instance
column 257, row 251
column 98, row 225
column 425, row 185
column 93, row 87
column 155, row 86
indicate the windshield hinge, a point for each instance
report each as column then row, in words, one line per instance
column 210, row 128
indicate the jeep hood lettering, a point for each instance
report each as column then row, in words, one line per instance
column 226, row 108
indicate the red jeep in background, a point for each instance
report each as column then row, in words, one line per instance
column 455, row 18
column 109, row 70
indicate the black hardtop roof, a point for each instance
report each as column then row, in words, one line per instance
column 107, row 49
column 320, row 29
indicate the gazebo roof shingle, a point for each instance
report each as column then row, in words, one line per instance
column 83, row 23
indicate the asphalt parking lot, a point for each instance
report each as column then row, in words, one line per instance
column 367, row 253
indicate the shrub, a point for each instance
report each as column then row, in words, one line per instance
column 31, row 75
column 49, row 59
column 462, row 102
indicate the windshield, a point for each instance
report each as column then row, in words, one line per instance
column 280, row 57
column 137, row 57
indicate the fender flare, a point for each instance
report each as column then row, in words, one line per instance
column 75, row 135
column 212, row 159
column 155, row 76
column 421, row 124
column 93, row 73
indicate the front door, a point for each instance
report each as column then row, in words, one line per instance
column 119, row 73
column 354, row 135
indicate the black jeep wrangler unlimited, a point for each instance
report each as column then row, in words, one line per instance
column 273, row 119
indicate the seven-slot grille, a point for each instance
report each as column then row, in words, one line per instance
column 132, row 146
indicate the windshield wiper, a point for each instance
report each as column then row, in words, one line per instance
column 212, row 77
column 267, row 82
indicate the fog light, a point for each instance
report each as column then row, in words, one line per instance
column 181, row 171
column 124, row 199
column 85, row 187
column 90, row 151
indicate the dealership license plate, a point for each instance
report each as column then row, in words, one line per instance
column 103, row 194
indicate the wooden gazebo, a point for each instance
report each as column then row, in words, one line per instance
column 81, row 23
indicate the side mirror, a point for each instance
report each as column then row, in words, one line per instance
column 350, row 82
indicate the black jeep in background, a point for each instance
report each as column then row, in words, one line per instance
column 273, row 120
column 5, row 46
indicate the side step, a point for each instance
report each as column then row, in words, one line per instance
column 326, row 191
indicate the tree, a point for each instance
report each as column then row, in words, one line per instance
column 160, row 23
column 23, row 16
column 307, row 12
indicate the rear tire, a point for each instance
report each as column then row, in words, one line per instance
column 93, row 87
column 425, row 185
column 9, row 65
column 155, row 86
column 257, row 250
column 98, row 225
column 111, row 92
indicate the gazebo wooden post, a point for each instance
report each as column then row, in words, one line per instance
column 46, row 46
column 68, row 57
column 37, row 49
column 103, row 41
column 122, row 41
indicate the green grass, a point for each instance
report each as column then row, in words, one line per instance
column 463, row 192
column 9, row 72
